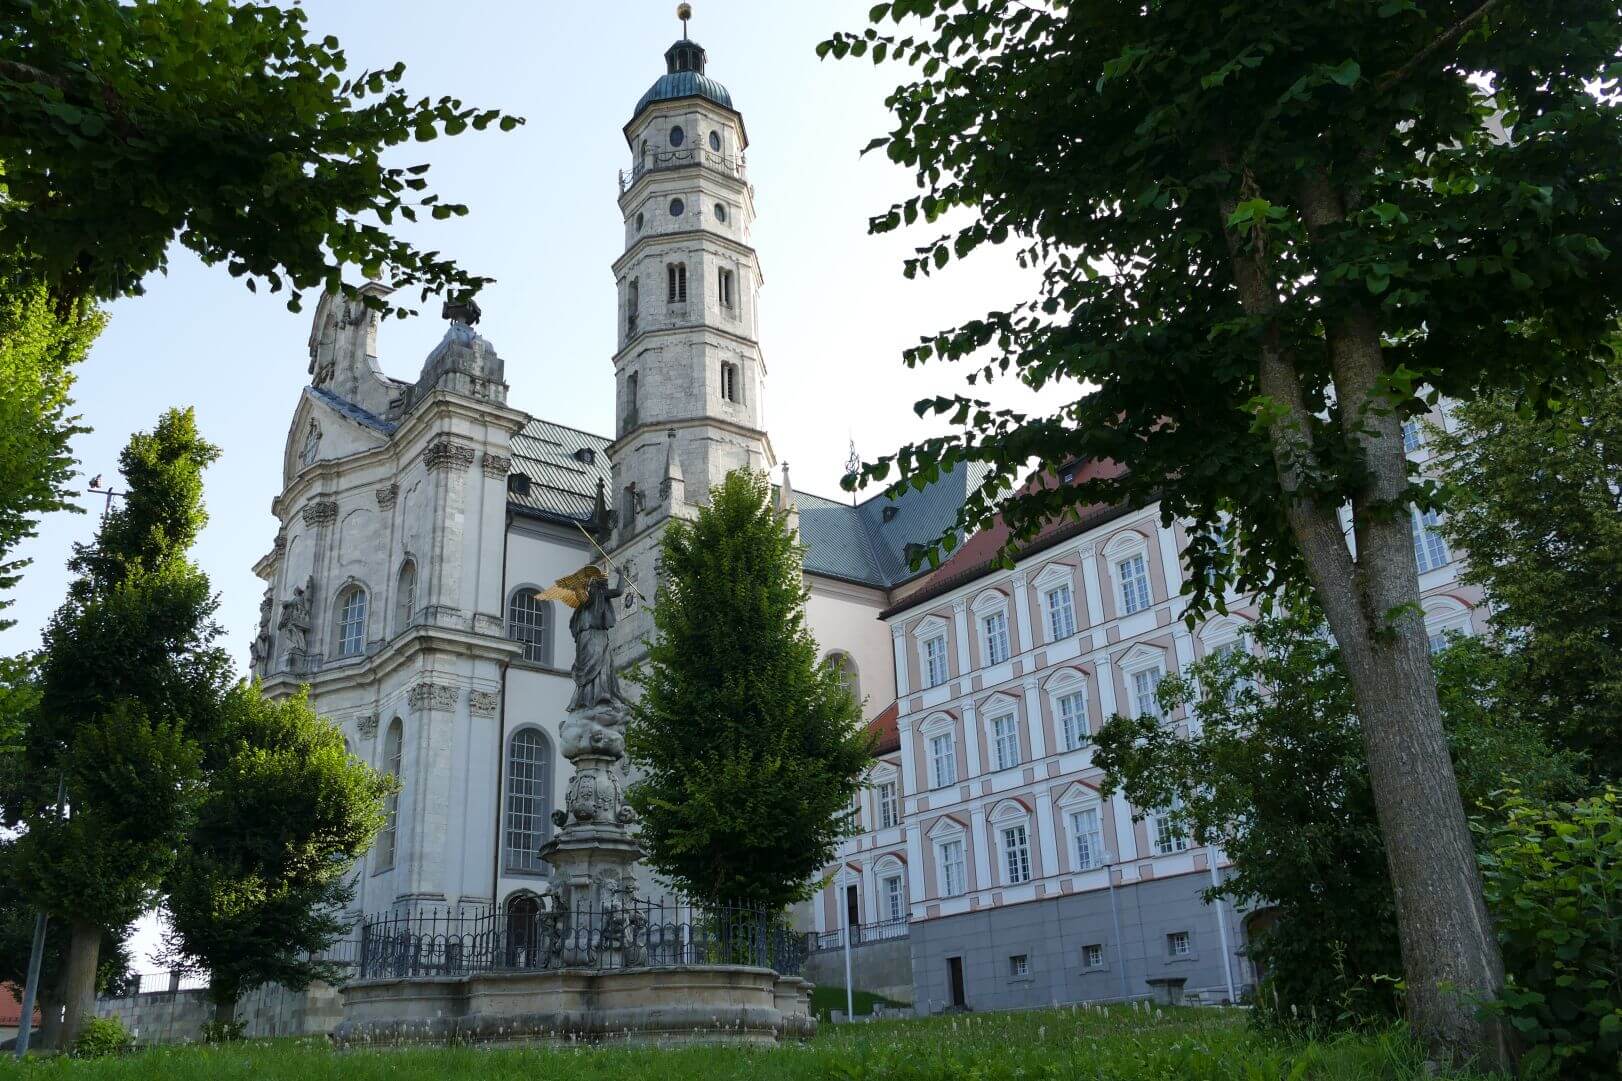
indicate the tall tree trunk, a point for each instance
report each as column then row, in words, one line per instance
column 1451, row 959
column 79, row 980
column 225, row 1006
column 50, row 1018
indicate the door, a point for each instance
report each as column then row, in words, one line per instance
column 954, row 976
column 853, row 914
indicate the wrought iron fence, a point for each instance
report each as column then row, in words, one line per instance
column 862, row 933
column 656, row 160
column 619, row 935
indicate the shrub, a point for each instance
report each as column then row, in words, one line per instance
column 102, row 1036
column 1553, row 875
column 218, row 1031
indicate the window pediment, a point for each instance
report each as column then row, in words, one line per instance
column 929, row 627
column 946, row 828
column 1055, row 574
column 1080, row 795
column 1142, row 656
column 990, row 600
column 998, row 705
column 1066, row 679
column 1009, row 810
column 1124, row 543
column 937, row 722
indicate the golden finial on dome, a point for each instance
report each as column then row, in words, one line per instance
column 684, row 12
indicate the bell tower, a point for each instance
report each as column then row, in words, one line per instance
column 689, row 376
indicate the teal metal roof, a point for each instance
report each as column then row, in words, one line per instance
column 684, row 84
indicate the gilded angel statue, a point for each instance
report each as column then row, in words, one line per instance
column 592, row 627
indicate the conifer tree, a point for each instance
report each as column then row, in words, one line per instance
column 130, row 684
column 750, row 751
column 258, row 890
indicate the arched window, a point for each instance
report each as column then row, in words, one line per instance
column 529, row 784
column 352, row 622
column 393, row 762
column 405, row 596
column 675, row 273
column 845, row 665
column 523, row 930
column 529, row 620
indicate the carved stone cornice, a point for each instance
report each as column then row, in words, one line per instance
column 320, row 512
column 496, row 465
column 387, row 495
column 447, row 453
column 482, row 703
column 431, row 696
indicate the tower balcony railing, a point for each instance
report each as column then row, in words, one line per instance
column 680, row 158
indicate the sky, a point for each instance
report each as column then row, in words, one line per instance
column 836, row 312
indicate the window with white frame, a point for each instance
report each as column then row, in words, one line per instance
column 1061, row 607
column 1088, row 838
column 1413, row 437
column 953, row 871
column 995, row 630
column 892, row 889
column 676, row 283
column 1178, row 944
column 1166, row 834
column 1092, row 955
column 393, row 759
column 935, row 660
column 352, row 622
column 1133, row 572
column 529, row 779
column 889, row 805
column 1019, row 966
column 1073, row 723
column 1005, row 741
column 724, row 288
column 529, row 620
column 1445, row 618
column 943, row 759
column 1145, row 684
column 1430, row 550
column 1233, row 648
column 1016, row 852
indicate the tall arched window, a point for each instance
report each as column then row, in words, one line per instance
column 529, row 785
column 845, row 665
column 405, row 596
column 529, row 620
column 352, row 622
column 393, row 763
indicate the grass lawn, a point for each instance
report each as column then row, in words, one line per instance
column 824, row 999
column 1119, row 1045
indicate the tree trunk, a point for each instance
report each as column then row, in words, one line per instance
column 50, row 1019
column 225, row 1007
column 79, row 980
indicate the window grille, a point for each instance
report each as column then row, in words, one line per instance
column 352, row 623
column 1178, row 945
column 1061, row 613
column 729, row 382
column 1092, row 956
column 529, row 775
column 529, row 620
column 1134, row 574
column 676, row 283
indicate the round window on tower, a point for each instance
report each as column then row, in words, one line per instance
column 720, row 212
column 677, row 136
column 639, row 220
column 715, row 141
column 677, row 207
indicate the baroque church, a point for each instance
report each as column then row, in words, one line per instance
column 419, row 520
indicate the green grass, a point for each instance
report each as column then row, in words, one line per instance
column 1059, row 1045
column 824, row 999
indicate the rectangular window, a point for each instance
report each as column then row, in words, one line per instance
column 633, row 303
column 1005, row 741
column 1412, row 437
column 1178, row 945
column 1019, row 965
column 935, row 661
column 943, row 759
column 1073, row 719
column 676, row 283
column 895, row 902
column 724, row 288
column 1092, row 956
column 1016, row 850
column 1061, row 613
column 889, row 806
column 1166, row 835
column 729, row 382
column 1144, row 685
column 996, row 630
column 1134, row 574
column 1240, row 683
column 949, row 854
column 1438, row 641
column 1430, row 550
column 1089, row 839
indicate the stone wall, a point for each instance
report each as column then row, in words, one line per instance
column 884, row 968
column 157, row 1017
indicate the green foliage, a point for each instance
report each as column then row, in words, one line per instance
column 1276, row 774
column 130, row 683
column 1532, row 501
column 126, row 125
column 40, row 344
column 1554, row 876
column 264, row 872
column 224, row 1031
column 102, row 1036
column 751, row 750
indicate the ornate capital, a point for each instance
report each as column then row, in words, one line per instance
column 482, row 703
column 320, row 512
column 496, row 465
column 1018, row 579
column 960, row 605
column 367, row 725
column 431, row 696
column 1087, row 551
column 387, row 495
column 447, row 453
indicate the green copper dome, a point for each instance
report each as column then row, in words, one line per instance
column 684, row 78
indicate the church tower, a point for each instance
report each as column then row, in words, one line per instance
column 689, row 375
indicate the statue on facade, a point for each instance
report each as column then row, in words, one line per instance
column 592, row 627
column 259, row 651
column 295, row 621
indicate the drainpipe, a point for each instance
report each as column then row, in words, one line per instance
column 501, row 724
column 1222, row 926
column 1115, row 915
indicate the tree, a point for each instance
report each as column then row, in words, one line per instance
column 1261, row 228
column 40, row 343
column 1532, row 502
column 750, row 751
column 261, row 881
column 1273, row 770
column 124, row 126
column 130, row 684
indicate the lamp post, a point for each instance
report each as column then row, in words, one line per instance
column 1115, row 916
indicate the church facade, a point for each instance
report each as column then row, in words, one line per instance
column 419, row 520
